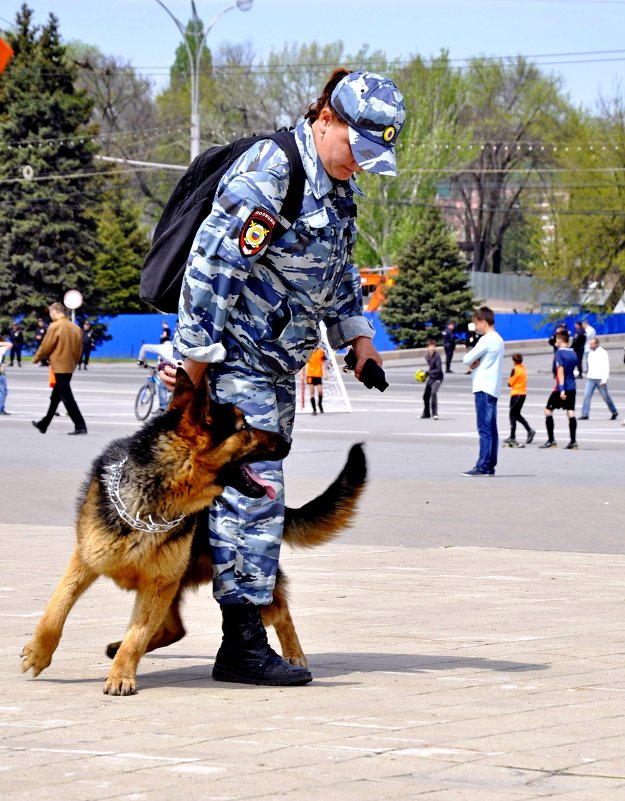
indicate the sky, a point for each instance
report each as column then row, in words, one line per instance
column 580, row 40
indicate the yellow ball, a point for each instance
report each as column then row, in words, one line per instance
column 420, row 375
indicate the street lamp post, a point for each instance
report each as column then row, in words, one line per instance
column 199, row 35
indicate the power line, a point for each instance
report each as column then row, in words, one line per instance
column 68, row 176
column 468, row 170
column 82, row 138
column 570, row 58
column 139, row 138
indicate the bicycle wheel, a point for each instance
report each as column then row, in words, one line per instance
column 144, row 401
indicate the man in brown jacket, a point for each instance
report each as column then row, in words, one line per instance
column 62, row 346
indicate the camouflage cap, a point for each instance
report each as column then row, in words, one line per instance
column 374, row 109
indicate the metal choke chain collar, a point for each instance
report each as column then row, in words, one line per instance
column 151, row 526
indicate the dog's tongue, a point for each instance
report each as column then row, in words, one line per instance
column 253, row 475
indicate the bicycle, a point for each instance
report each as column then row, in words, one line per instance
column 145, row 397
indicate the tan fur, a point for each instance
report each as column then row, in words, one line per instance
column 180, row 478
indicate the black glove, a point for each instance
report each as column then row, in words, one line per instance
column 372, row 374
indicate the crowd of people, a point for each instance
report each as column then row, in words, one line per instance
column 574, row 355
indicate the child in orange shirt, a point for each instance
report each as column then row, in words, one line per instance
column 518, row 392
column 314, row 377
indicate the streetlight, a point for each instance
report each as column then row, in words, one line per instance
column 199, row 35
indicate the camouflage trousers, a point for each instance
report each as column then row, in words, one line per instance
column 245, row 533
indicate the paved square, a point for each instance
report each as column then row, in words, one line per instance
column 466, row 637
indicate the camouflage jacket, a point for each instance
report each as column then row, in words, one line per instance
column 267, row 301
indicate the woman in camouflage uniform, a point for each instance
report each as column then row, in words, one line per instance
column 249, row 313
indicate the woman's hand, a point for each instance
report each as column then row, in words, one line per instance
column 167, row 372
column 363, row 350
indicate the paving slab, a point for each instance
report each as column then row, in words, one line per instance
column 436, row 672
column 466, row 638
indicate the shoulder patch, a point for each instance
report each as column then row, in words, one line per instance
column 256, row 232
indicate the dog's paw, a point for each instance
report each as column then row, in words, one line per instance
column 35, row 657
column 116, row 684
column 296, row 659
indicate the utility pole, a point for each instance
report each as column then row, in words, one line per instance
column 198, row 35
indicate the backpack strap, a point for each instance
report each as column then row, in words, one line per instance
column 297, row 177
column 190, row 204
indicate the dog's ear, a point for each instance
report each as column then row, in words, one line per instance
column 201, row 401
column 197, row 399
column 184, row 390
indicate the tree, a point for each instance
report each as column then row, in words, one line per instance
column 124, row 243
column 522, row 248
column 248, row 99
column 431, row 288
column 174, row 103
column 428, row 147
column 586, row 257
column 48, row 237
column 510, row 105
column 124, row 113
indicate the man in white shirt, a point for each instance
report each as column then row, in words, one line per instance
column 486, row 362
column 590, row 333
column 597, row 378
column 165, row 351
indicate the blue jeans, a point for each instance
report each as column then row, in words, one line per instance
column 486, row 411
column 591, row 385
column 3, row 391
column 163, row 394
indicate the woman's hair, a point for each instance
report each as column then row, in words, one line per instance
column 324, row 99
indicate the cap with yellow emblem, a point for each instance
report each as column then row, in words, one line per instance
column 374, row 109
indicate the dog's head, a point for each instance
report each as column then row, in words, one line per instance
column 217, row 442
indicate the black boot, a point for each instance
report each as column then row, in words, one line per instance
column 245, row 655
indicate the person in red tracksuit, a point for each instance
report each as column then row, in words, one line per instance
column 518, row 392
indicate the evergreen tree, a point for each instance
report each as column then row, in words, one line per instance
column 124, row 243
column 431, row 288
column 48, row 237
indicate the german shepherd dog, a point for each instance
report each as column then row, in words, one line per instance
column 137, row 523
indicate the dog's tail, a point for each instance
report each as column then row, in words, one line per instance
column 321, row 519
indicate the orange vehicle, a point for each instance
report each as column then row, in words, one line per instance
column 374, row 281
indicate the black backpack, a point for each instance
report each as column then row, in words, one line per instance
column 190, row 204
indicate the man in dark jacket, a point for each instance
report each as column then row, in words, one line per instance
column 87, row 344
column 449, row 344
column 579, row 345
column 435, row 379
column 40, row 332
column 16, row 338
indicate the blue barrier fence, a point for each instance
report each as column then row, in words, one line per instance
column 129, row 331
column 535, row 326
column 518, row 327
